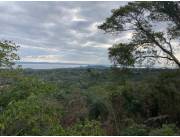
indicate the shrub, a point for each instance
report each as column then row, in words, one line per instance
column 86, row 128
column 33, row 116
column 98, row 111
column 22, row 88
column 166, row 130
column 135, row 130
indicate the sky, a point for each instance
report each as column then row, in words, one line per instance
column 59, row 31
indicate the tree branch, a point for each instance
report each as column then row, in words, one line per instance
column 151, row 36
column 151, row 56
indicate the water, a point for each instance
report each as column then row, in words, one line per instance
column 40, row 65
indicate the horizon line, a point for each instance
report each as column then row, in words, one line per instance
column 58, row 62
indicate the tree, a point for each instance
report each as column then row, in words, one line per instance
column 167, row 11
column 155, row 28
column 8, row 53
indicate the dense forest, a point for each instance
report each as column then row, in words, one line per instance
column 90, row 101
column 120, row 100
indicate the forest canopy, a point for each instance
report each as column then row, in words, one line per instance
column 97, row 101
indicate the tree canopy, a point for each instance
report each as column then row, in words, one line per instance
column 8, row 53
column 155, row 29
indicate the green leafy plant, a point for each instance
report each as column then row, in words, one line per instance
column 86, row 128
column 33, row 116
column 166, row 130
column 8, row 53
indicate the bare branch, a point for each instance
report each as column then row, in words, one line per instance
column 151, row 56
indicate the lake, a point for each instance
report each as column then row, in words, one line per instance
column 46, row 65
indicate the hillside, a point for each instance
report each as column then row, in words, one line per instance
column 90, row 101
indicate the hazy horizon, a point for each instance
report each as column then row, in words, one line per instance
column 56, row 65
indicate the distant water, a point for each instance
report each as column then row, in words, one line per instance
column 40, row 65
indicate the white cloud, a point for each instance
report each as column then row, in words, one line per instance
column 62, row 59
column 76, row 15
column 59, row 31
column 39, row 48
column 94, row 27
column 96, row 45
column 42, row 58
column 49, row 25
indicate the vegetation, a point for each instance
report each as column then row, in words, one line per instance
column 8, row 54
column 150, row 42
column 90, row 101
column 99, row 101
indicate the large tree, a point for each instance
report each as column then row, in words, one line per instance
column 8, row 54
column 155, row 29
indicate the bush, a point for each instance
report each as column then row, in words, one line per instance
column 135, row 130
column 22, row 88
column 86, row 128
column 98, row 111
column 33, row 116
column 166, row 130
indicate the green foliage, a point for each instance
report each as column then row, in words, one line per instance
column 122, row 54
column 153, row 97
column 135, row 130
column 98, row 110
column 33, row 116
column 166, row 130
column 22, row 88
column 27, row 107
column 8, row 53
column 169, row 96
column 140, row 19
column 169, row 11
column 86, row 128
column 69, row 102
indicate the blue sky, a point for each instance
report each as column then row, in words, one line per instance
column 59, row 31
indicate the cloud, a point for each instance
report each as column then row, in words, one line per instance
column 38, row 48
column 58, row 31
column 42, row 58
